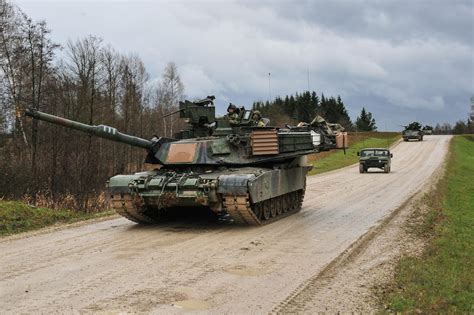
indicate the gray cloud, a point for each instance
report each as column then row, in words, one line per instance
column 403, row 60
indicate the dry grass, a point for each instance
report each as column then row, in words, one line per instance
column 93, row 204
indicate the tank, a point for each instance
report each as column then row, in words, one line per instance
column 247, row 174
column 412, row 131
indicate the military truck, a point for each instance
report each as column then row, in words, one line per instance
column 252, row 175
column 375, row 158
column 413, row 132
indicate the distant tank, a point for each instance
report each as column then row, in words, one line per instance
column 252, row 175
column 413, row 131
column 427, row 130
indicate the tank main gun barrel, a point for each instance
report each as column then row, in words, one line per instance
column 101, row 131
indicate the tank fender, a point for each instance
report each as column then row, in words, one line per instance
column 119, row 184
column 277, row 182
column 234, row 184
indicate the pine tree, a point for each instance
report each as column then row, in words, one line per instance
column 365, row 122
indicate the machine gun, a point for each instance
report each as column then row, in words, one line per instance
column 199, row 114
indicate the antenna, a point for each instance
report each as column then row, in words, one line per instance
column 308, row 79
column 269, row 87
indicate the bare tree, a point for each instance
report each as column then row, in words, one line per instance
column 11, row 60
column 85, row 66
column 170, row 92
column 26, row 54
column 134, row 77
column 40, row 51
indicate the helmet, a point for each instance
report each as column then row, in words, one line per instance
column 231, row 106
column 256, row 112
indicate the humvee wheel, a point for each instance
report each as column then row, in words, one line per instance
column 361, row 168
column 386, row 168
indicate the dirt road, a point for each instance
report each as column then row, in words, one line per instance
column 118, row 266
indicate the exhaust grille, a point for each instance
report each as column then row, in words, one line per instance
column 264, row 142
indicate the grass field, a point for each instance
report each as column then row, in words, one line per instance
column 442, row 279
column 328, row 161
column 16, row 216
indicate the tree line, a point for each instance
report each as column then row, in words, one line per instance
column 459, row 128
column 303, row 107
column 92, row 84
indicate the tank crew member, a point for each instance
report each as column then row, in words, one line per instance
column 232, row 114
column 257, row 119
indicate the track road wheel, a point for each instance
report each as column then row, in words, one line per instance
column 279, row 205
column 266, row 209
column 273, row 207
column 258, row 209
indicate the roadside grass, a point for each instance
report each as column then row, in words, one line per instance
column 17, row 216
column 328, row 161
column 441, row 280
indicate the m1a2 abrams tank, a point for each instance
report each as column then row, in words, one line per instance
column 254, row 175
column 412, row 132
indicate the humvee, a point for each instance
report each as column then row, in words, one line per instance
column 375, row 157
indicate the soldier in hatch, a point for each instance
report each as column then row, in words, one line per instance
column 232, row 114
column 257, row 119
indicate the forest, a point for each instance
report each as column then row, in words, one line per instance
column 93, row 84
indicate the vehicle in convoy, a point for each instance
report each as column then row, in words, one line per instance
column 413, row 131
column 375, row 157
column 252, row 175
column 427, row 130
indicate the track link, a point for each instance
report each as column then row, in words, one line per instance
column 241, row 210
column 130, row 208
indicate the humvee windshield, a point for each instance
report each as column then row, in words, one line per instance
column 368, row 153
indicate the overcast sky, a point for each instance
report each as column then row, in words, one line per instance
column 402, row 60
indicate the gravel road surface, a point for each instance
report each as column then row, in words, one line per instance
column 117, row 266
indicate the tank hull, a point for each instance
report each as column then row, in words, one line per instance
column 248, row 195
column 412, row 135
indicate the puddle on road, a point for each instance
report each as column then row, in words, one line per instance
column 193, row 305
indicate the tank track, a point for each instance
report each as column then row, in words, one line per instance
column 241, row 210
column 128, row 207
